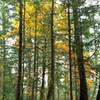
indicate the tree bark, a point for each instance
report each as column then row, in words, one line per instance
column 79, row 52
column 50, row 95
column 19, row 84
column 23, row 52
column 42, row 96
column 70, row 60
column 98, row 94
column 35, row 51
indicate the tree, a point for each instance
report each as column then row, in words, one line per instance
column 79, row 52
column 19, row 82
column 98, row 94
column 50, row 48
column 51, row 87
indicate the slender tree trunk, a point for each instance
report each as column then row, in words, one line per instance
column 29, row 73
column 35, row 50
column 75, row 69
column 58, row 92
column 1, row 79
column 42, row 95
column 4, row 69
column 66, row 97
column 98, row 94
column 19, row 84
column 70, row 60
column 4, row 56
column 23, row 52
column 79, row 53
column 50, row 95
column 37, row 66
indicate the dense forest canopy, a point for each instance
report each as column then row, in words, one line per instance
column 50, row 50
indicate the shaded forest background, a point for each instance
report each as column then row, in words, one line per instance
column 49, row 50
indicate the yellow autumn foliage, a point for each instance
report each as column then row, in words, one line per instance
column 89, row 82
column 46, row 6
column 62, row 45
column 60, row 20
column 43, row 9
column 86, row 54
column 29, row 21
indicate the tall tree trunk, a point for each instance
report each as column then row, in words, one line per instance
column 58, row 93
column 37, row 66
column 35, row 51
column 23, row 52
column 70, row 60
column 19, row 84
column 79, row 52
column 4, row 55
column 42, row 95
column 98, row 94
column 75, row 76
column 29, row 71
column 4, row 69
column 50, row 95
